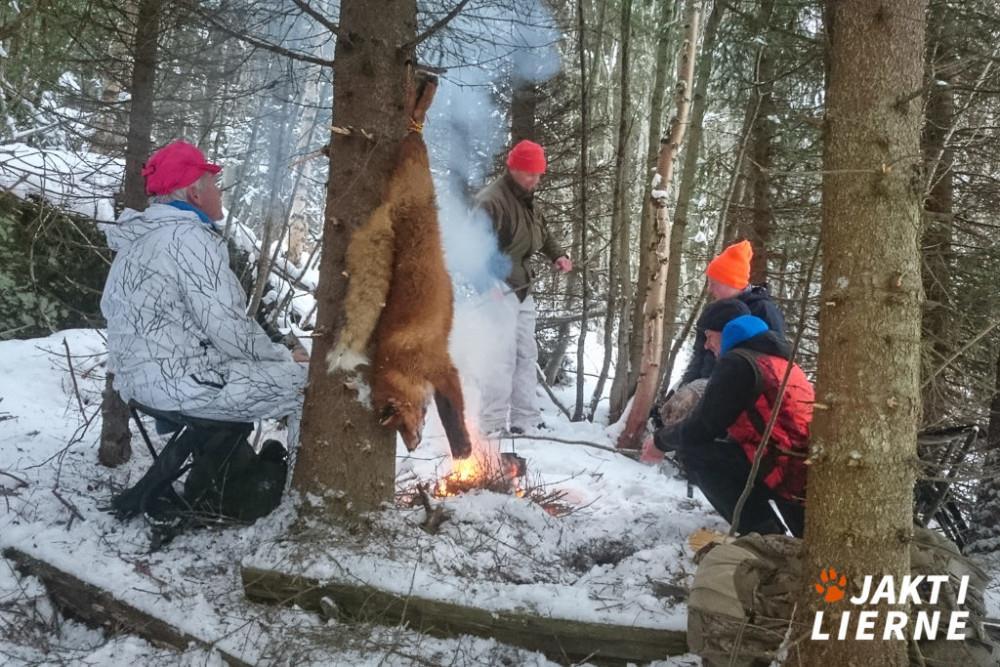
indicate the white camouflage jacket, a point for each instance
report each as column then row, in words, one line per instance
column 178, row 331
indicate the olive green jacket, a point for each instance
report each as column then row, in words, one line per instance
column 520, row 229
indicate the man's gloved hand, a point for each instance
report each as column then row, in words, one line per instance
column 564, row 264
column 300, row 355
column 650, row 454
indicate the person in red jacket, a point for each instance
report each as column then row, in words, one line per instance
column 717, row 442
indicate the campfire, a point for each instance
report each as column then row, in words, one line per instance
column 485, row 470
column 505, row 474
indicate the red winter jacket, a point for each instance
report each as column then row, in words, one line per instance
column 737, row 402
column 783, row 466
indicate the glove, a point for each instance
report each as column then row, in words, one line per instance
column 650, row 454
column 564, row 264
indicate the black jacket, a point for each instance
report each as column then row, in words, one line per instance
column 732, row 388
column 761, row 305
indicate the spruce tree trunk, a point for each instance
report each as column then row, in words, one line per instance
column 685, row 189
column 345, row 456
column 140, row 120
column 522, row 112
column 859, row 510
column 759, row 165
column 115, row 447
column 938, row 218
column 578, row 413
column 620, row 281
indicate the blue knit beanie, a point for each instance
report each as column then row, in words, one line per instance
column 740, row 330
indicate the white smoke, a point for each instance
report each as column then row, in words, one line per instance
column 487, row 45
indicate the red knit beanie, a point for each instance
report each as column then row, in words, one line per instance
column 527, row 156
column 732, row 266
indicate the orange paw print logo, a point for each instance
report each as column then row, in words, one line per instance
column 832, row 588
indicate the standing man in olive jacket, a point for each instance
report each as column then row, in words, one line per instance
column 521, row 233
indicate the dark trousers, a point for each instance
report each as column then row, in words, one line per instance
column 720, row 469
column 153, row 492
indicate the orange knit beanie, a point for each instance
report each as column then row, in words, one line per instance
column 732, row 267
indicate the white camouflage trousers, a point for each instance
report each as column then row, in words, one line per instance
column 512, row 384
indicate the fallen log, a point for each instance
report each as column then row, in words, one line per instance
column 97, row 607
column 561, row 639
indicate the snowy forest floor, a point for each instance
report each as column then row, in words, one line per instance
column 619, row 556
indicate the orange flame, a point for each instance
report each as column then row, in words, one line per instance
column 476, row 472
column 463, row 474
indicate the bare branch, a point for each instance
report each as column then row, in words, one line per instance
column 440, row 23
column 548, row 390
column 627, row 453
column 267, row 46
column 320, row 18
column 72, row 375
column 68, row 505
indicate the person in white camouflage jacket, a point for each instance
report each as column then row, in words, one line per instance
column 179, row 337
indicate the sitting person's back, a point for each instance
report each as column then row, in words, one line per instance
column 183, row 349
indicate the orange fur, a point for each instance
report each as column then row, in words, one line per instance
column 369, row 268
column 411, row 357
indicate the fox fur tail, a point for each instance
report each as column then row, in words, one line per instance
column 369, row 270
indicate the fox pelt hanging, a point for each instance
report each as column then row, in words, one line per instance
column 399, row 296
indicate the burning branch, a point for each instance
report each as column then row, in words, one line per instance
column 504, row 474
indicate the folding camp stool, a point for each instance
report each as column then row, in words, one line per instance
column 189, row 434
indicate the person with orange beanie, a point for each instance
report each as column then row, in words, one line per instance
column 521, row 234
column 729, row 278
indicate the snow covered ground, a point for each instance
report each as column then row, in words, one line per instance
column 611, row 559
column 620, row 555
